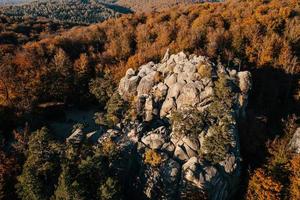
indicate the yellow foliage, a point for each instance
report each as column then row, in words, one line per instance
column 108, row 147
column 153, row 158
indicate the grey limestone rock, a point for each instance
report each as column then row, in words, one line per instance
column 172, row 85
column 76, row 137
column 189, row 96
column 294, row 144
column 155, row 139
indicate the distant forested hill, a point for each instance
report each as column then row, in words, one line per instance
column 85, row 11
column 75, row 11
column 20, row 31
column 10, row 2
column 156, row 5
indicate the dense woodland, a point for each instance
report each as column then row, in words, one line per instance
column 74, row 11
column 157, row 5
column 11, row 2
column 21, row 31
column 263, row 38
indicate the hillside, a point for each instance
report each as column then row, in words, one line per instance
column 74, row 11
column 10, row 2
column 117, row 65
column 157, row 5
column 20, row 31
column 135, row 39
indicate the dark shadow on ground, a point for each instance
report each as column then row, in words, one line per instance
column 270, row 101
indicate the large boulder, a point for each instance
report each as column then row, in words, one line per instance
column 229, row 163
column 76, row 137
column 294, row 144
column 146, row 69
column 147, row 82
column 206, row 177
column 155, row 139
column 128, row 84
column 170, row 80
column 160, row 91
column 244, row 79
column 168, row 105
column 189, row 96
column 175, row 90
column 191, row 172
column 149, row 108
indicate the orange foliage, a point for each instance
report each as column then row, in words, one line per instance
column 81, row 65
column 118, row 71
column 23, row 60
column 260, row 35
column 295, row 178
column 257, row 34
column 263, row 187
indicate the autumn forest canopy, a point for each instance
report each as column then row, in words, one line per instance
column 44, row 61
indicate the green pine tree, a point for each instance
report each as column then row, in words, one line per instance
column 41, row 169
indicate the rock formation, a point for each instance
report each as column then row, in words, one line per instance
column 187, row 85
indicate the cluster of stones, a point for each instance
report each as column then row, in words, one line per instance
column 160, row 89
column 175, row 84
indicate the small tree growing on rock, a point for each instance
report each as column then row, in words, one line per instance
column 102, row 89
column 217, row 144
column 223, row 100
column 153, row 158
column 221, row 137
column 108, row 147
column 189, row 122
column 109, row 190
column 116, row 108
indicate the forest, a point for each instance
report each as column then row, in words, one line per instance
column 36, row 68
column 75, row 11
column 21, row 31
column 157, row 5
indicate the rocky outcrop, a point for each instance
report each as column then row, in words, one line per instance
column 294, row 144
column 176, row 85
